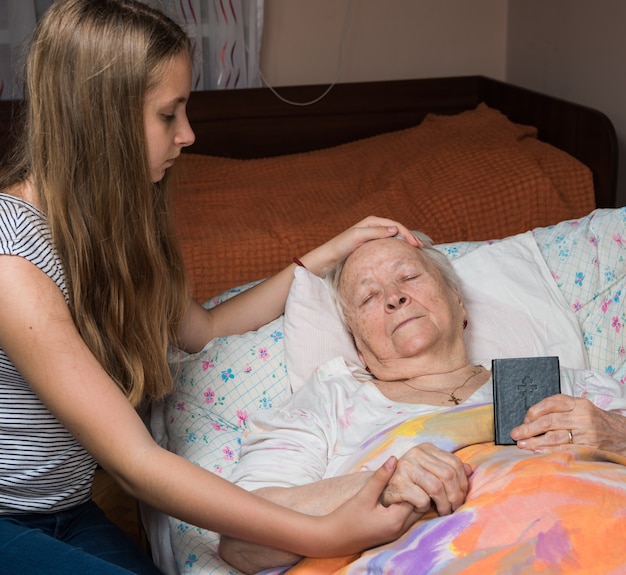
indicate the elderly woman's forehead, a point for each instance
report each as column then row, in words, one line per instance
column 392, row 248
column 393, row 245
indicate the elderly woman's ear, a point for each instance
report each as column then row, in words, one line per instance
column 464, row 311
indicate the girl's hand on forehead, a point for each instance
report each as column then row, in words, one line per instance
column 375, row 228
column 328, row 255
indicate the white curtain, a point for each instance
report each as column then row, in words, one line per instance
column 227, row 35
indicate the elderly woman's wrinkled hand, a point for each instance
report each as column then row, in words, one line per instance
column 560, row 421
column 427, row 475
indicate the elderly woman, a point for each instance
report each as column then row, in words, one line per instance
column 404, row 308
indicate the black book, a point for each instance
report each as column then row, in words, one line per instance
column 519, row 383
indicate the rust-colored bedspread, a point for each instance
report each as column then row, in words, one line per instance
column 473, row 176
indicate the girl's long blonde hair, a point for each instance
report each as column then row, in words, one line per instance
column 90, row 65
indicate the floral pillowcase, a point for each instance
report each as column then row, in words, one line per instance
column 587, row 258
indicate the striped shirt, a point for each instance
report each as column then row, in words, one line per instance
column 42, row 467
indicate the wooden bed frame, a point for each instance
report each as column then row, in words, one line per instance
column 254, row 123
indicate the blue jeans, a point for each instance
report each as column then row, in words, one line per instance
column 78, row 541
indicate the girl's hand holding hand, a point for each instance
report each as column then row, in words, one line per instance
column 365, row 520
column 428, row 475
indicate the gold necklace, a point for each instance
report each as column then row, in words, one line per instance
column 453, row 398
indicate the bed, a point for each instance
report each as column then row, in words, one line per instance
column 516, row 187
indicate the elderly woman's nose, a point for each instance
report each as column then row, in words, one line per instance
column 395, row 300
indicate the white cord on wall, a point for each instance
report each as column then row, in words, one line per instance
column 344, row 34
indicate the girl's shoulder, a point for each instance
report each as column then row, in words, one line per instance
column 24, row 232
column 19, row 218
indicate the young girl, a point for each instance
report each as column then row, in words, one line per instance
column 92, row 292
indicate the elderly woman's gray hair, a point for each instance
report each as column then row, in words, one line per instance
column 438, row 259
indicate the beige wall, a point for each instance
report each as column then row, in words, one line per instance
column 573, row 49
column 384, row 40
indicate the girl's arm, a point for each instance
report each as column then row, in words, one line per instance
column 317, row 498
column 266, row 301
column 38, row 335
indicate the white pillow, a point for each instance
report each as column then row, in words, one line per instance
column 514, row 309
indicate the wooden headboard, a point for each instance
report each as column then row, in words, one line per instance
column 255, row 123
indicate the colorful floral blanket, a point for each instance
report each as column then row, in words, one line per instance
column 524, row 513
